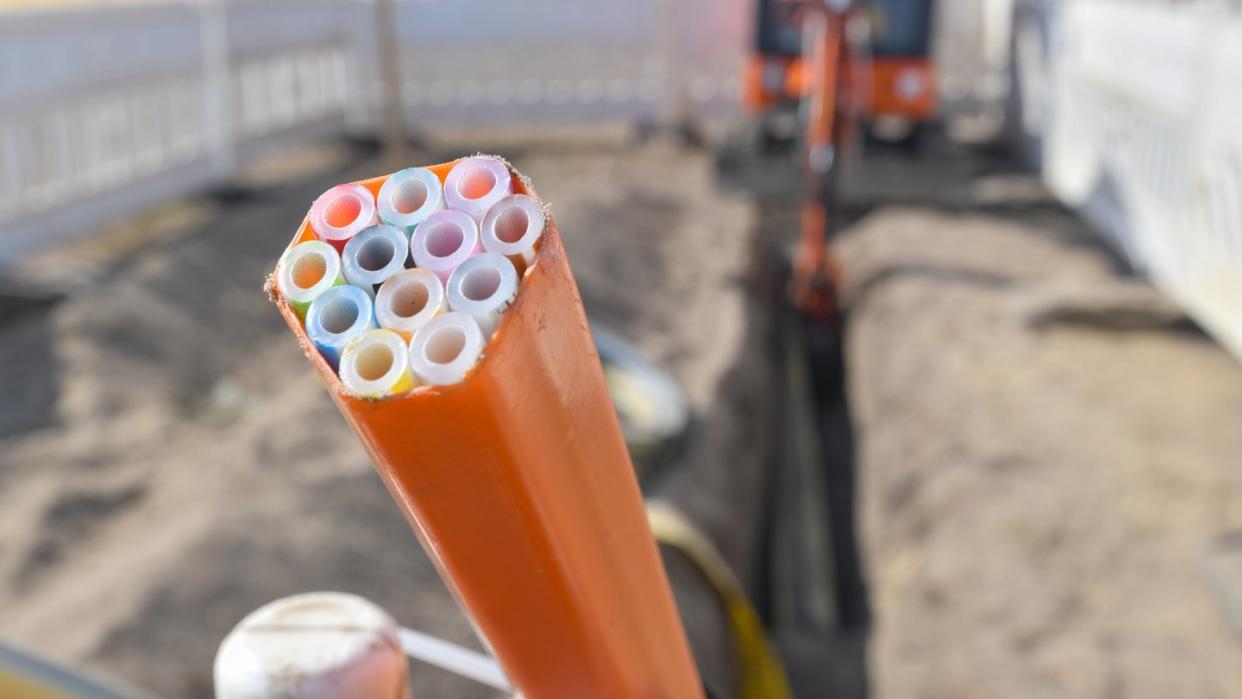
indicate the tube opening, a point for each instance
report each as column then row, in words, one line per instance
column 410, row 300
column 480, row 283
column 445, row 345
column 342, row 211
column 445, row 239
column 308, row 270
column 477, row 183
column 374, row 362
column 376, row 254
column 512, row 225
column 339, row 315
column 409, row 196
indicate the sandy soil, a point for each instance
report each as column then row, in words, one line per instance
column 1048, row 452
column 170, row 463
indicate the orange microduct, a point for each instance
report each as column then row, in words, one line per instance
column 519, row 486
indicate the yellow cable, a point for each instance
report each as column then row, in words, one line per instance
column 760, row 672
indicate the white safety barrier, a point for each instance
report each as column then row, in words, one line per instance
column 1136, row 108
column 107, row 110
column 473, row 61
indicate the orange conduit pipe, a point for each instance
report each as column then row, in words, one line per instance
column 518, row 484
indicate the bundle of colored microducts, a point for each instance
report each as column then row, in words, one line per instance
column 405, row 288
column 516, row 476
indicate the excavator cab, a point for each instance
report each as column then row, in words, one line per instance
column 902, row 87
column 894, row 76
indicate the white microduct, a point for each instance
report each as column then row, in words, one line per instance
column 409, row 300
column 374, row 255
column 512, row 227
column 307, row 270
column 408, row 197
column 483, row 287
column 474, row 185
column 338, row 316
column 341, row 212
column 444, row 350
column 376, row 364
column 444, row 241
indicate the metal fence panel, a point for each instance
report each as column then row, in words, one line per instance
column 108, row 110
column 1142, row 136
column 105, row 111
column 474, row 61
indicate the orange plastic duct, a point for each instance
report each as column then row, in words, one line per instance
column 518, row 483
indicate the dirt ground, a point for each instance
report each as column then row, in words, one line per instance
column 1047, row 450
column 1048, row 456
column 170, row 463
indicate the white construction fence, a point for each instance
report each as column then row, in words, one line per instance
column 106, row 110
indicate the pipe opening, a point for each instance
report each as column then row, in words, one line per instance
column 445, row 345
column 477, row 183
column 374, row 362
column 409, row 196
column 376, row 254
column 445, row 239
column 308, row 270
column 410, row 300
column 480, row 283
column 342, row 211
column 339, row 315
column 512, row 225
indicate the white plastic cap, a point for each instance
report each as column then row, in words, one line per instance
column 513, row 226
column 483, row 287
column 444, row 241
column 407, row 301
column 476, row 184
column 319, row 645
column 444, row 350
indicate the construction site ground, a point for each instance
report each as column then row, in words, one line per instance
column 1046, row 449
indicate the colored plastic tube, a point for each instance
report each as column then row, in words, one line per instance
column 512, row 227
column 518, row 483
column 444, row 350
column 476, row 184
column 306, row 271
column 408, row 197
column 482, row 288
column 341, row 212
column 374, row 255
column 376, row 364
column 444, row 241
column 409, row 300
column 339, row 315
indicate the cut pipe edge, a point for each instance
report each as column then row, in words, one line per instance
column 341, row 212
column 376, row 364
column 306, row 271
column 374, row 255
column 335, row 318
column 483, row 287
column 476, row 184
column 445, row 240
column 444, row 350
column 512, row 228
column 409, row 196
column 409, row 300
